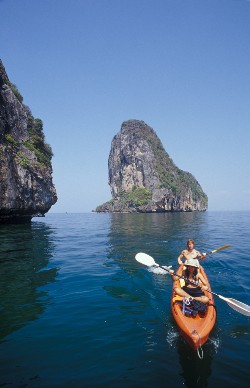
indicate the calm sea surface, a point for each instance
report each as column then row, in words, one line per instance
column 77, row 310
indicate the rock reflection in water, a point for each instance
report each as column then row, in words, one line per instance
column 25, row 253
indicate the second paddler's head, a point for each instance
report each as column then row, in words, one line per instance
column 190, row 244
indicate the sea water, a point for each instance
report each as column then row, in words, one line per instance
column 77, row 309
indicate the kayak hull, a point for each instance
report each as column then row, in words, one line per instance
column 195, row 330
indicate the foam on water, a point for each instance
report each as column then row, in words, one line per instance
column 159, row 271
column 172, row 335
column 215, row 342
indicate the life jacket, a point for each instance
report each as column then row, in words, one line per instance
column 185, row 281
column 194, row 281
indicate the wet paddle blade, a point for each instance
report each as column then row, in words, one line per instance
column 145, row 259
column 242, row 308
column 220, row 249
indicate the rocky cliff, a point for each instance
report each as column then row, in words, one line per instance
column 143, row 178
column 26, row 187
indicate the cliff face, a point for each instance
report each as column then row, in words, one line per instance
column 26, row 187
column 143, row 178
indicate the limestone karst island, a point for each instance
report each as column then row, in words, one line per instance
column 26, row 187
column 143, row 178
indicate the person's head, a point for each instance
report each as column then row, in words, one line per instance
column 191, row 265
column 190, row 243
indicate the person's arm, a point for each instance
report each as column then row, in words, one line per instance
column 180, row 258
column 204, row 286
column 201, row 256
column 174, row 277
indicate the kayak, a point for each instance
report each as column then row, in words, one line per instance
column 194, row 329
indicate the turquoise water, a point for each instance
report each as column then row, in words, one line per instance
column 77, row 310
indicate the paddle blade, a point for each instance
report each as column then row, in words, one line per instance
column 145, row 259
column 220, row 249
column 242, row 308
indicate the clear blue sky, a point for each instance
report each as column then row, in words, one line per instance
column 182, row 66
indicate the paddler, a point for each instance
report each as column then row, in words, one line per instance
column 194, row 285
column 190, row 253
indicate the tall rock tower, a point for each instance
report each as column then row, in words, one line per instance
column 143, row 178
column 26, row 187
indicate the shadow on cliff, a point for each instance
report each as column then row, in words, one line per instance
column 25, row 253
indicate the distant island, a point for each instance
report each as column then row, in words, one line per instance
column 144, row 179
column 26, row 187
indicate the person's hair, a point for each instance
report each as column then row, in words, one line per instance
column 194, row 273
column 190, row 240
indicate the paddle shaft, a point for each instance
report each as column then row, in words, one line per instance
column 218, row 249
column 233, row 303
column 179, row 276
column 240, row 307
column 204, row 255
column 188, row 281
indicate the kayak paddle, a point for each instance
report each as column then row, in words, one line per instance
column 242, row 308
column 143, row 258
column 218, row 249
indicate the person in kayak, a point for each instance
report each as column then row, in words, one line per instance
column 195, row 284
column 191, row 253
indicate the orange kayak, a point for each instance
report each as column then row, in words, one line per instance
column 195, row 330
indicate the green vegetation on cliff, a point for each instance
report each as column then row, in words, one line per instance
column 135, row 198
column 15, row 91
column 37, row 143
column 170, row 175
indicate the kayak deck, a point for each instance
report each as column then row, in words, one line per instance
column 195, row 330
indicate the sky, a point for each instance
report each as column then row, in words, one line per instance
column 181, row 66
